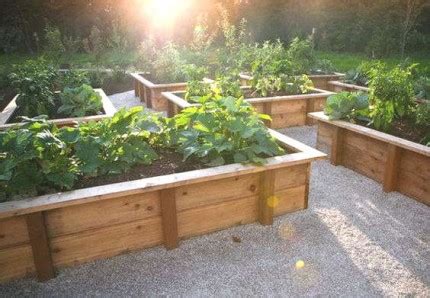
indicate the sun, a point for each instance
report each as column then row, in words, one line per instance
column 165, row 12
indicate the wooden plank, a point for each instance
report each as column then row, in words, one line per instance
column 336, row 147
column 405, row 144
column 290, row 177
column 414, row 176
column 267, row 109
column 362, row 162
column 304, row 154
column 169, row 217
column 217, row 191
column 290, row 200
column 136, row 88
column 40, row 246
column 13, row 231
column 325, row 135
column 288, row 120
column 216, row 217
column 289, row 107
column 392, row 168
column 16, row 262
column 74, row 219
column 266, row 197
column 106, row 242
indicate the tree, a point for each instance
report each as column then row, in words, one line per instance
column 412, row 9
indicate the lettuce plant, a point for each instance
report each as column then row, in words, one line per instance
column 79, row 102
column 348, row 106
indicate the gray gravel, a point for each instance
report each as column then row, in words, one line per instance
column 127, row 100
column 354, row 240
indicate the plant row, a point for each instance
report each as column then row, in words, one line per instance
column 40, row 158
column 390, row 106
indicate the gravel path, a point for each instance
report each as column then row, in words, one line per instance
column 354, row 240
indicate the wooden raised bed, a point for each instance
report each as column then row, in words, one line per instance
column 398, row 164
column 150, row 93
column 338, row 86
column 108, row 109
column 285, row 111
column 51, row 231
column 319, row 81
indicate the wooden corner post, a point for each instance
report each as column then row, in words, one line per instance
column 267, row 109
column 40, row 246
column 337, row 146
column 267, row 198
column 169, row 217
column 391, row 171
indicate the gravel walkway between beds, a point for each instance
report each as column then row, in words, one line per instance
column 354, row 240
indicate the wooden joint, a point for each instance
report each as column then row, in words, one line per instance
column 308, row 177
column 169, row 218
column 391, row 171
column 337, row 146
column 40, row 246
column 267, row 198
column 267, row 109
column 141, row 90
column 170, row 109
column 136, row 88
column 310, row 107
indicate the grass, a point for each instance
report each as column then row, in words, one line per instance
column 346, row 61
column 342, row 61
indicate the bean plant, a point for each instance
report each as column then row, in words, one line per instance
column 223, row 130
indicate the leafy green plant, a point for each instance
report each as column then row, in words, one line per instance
column 73, row 79
column 54, row 47
column 422, row 88
column 422, row 114
column 33, row 159
column 288, row 85
column 228, row 85
column 39, row 157
column 301, row 56
column 114, row 145
column 195, row 85
column 348, row 106
column 168, row 65
column 361, row 75
column 223, row 130
column 79, row 102
column 147, row 52
column 323, row 66
column 391, row 93
column 34, row 81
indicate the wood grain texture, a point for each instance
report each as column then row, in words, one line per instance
column 391, row 171
column 267, row 199
column 216, row 217
column 13, row 232
column 95, row 215
column 106, row 242
column 337, row 146
column 40, row 246
column 169, row 218
column 290, row 200
column 16, row 262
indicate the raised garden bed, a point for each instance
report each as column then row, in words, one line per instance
column 7, row 115
column 398, row 164
column 285, row 111
column 43, row 233
column 339, row 86
column 319, row 81
column 150, row 92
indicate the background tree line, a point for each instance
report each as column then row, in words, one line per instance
column 376, row 27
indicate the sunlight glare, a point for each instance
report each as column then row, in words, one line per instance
column 164, row 12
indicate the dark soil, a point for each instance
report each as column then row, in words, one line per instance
column 155, row 80
column 6, row 95
column 405, row 129
column 252, row 94
column 112, row 86
column 19, row 113
column 168, row 163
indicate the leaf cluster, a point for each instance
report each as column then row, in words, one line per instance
column 40, row 157
column 79, row 102
column 348, row 106
column 223, row 130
